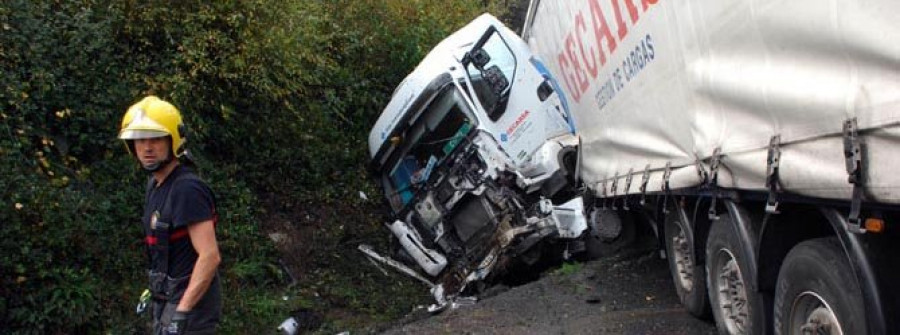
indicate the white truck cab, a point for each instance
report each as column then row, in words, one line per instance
column 476, row 152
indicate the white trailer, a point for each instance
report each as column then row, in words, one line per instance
column 759, row 139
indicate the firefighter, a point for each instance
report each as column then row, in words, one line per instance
column 179, row 223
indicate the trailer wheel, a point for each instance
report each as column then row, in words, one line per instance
column 609, row 231
column 736, row 309
column 817, row 292
column 689, row 278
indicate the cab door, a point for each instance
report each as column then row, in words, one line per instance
column 522, row 102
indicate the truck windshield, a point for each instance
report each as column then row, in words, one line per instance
column 431, row 137
column 490, row 67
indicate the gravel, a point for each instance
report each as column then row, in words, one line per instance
column 630, row 292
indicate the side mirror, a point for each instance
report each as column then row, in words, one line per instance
column 496, row 80
column 490, row 65
column 480, row 58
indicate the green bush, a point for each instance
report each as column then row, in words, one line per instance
column 278, row 96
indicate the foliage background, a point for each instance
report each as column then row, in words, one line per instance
column 278, row 95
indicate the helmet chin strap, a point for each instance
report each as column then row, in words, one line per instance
column 159, row 164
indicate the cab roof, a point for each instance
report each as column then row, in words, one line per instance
column 427, row 76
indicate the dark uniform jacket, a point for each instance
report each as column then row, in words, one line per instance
column 182, row 199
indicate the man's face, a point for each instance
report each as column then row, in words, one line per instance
column 152, row 151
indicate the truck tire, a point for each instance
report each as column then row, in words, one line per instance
column 689, row 278
column 736, row 309
column 609, row 232
column 817, row 291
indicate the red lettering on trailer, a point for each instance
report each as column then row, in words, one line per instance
column 580, row 77
column 590, row 61
column 571, row 65
column 601, row 31
column 632, row 10
column 567, row 76
column 620, row 23
column 646, row 3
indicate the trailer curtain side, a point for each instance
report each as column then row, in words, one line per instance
column 657, row 83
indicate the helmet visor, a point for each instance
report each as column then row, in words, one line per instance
column 136, row 134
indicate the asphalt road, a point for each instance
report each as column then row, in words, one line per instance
column 630, row 292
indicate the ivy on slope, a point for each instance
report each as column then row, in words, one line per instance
column 278, row 96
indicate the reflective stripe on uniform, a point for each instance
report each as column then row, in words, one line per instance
column 177, row 235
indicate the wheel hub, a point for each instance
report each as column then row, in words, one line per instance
column 606, row 225
column 811, row 315
column 731, row 293
column 684, row 261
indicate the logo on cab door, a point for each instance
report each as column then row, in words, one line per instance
column 519, row 121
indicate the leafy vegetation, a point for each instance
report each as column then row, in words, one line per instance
column 278, row 96
column 567, row 269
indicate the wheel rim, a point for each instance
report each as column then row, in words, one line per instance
column 810, row 314
column 606, row 230
column 731, row 293
column 684, row 260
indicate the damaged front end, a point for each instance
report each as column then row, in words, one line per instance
column 462, row 217
column 469, row 151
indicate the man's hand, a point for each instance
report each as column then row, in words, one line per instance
column 178, row 324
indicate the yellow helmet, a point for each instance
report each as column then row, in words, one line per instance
column 150, row 118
